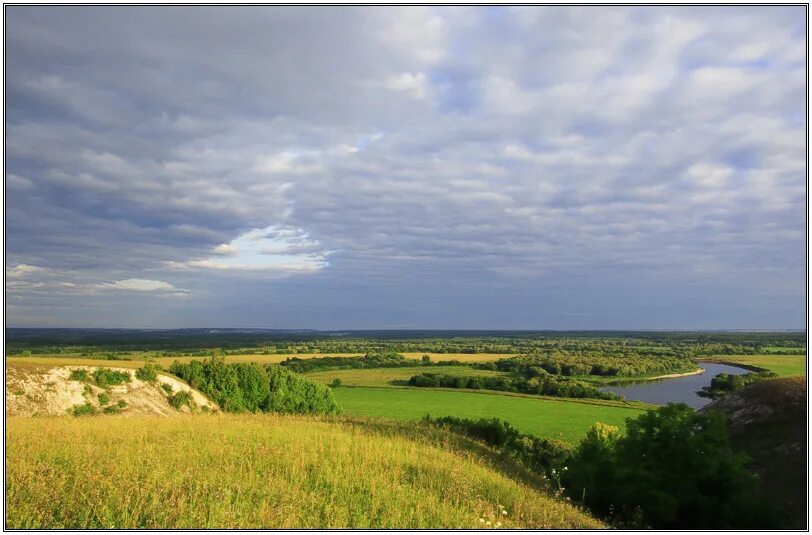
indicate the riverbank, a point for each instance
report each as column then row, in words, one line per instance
column 674, row 375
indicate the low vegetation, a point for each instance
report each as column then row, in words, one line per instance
column 103, row 377
column 149, row 372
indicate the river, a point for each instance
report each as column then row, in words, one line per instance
column 676, row 389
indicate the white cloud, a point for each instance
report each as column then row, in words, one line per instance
column 414, row 85
column 271, row 249
column 143, row 285
column 23, row 270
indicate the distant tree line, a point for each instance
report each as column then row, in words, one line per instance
column 591, row 363
column 547, row 385
column 370, row 360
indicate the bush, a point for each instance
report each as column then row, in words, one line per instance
column 167, row 388
column 674, row 468
column 85, row 409
column 115, row 409
column 182, row 399
column 104, row 377
column 336, row 383
column 78, row 375
column 147, row 373
column 104, row 398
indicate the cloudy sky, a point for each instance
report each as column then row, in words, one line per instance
column 533, row 168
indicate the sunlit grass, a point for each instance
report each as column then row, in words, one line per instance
column 544, row 417
column 385, row 376
column 783, row 365
column 258, row 471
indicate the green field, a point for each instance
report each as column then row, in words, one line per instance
column 544, row 417
column 263, row 471
column 783, row 365
column 384, row 376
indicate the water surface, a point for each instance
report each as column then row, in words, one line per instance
column 677, row 389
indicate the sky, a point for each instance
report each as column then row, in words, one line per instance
column 414, row 167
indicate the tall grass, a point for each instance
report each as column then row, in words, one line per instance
column 258, row 471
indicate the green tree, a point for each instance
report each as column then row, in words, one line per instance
column 674, row 468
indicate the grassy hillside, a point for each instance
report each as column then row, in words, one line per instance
column 544, row 417
column 262, row 471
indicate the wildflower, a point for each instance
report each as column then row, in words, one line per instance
column 482, row 520
column 565, row 468
column 488, row 523
column 498, row 524
column 504, row 512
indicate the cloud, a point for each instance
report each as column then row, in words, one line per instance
column 413, row 84
column 144, row 285
column 23, row 270
column 270, row 249
column 451, row 163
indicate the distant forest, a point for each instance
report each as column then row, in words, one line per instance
column 507, row 342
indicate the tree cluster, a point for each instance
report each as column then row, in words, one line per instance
column 250, row 387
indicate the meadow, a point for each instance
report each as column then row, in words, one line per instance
column 567, row 420
column 385, row 376
column 782, row 365
column 263, row 471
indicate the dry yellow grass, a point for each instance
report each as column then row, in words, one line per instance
column 260, row 471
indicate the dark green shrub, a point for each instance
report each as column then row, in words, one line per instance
column 167, row 388
column 104, row 377
column 181, row 399
column 78, row 375
column 147, row 373
column 336, row 383
column 85, row 409
column 104, row 398
column 115, row 409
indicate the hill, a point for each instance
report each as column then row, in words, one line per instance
column 767, row 420
column 33, row 390
column 265, row 471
